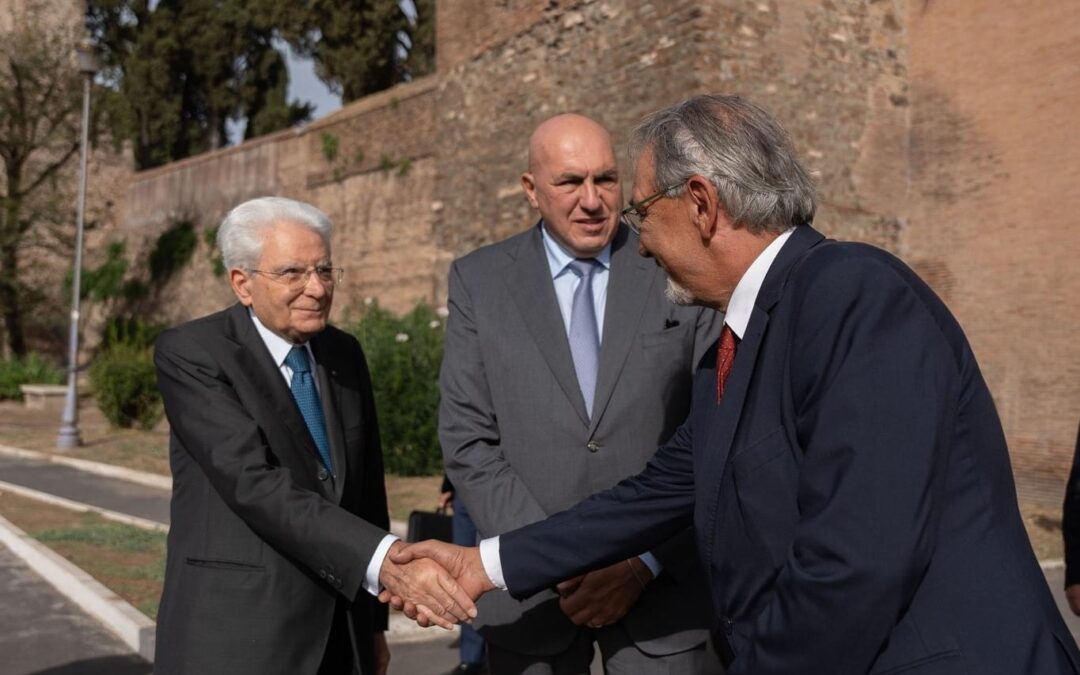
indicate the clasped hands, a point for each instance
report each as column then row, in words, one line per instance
column 435, row 583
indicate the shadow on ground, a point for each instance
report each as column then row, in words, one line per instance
column 127, row 664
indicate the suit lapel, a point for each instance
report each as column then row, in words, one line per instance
column 529, row 284
column 254, row 358
column 630, row 281
column 724, row 422
column 325, row 371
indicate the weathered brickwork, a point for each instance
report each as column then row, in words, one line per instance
column 993, row 201
column 939, row 130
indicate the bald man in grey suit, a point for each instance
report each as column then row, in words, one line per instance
column 565, row 368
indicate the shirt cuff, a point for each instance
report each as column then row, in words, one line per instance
column 371, row 578
column 489, row 555
column 652, row 563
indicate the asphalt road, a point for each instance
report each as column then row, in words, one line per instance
column 44, row 633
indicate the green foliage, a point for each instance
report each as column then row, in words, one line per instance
column 125, row 385
column 172, row 251
column 29, row 369
column 217, row 263
column 184, row 68
column 421, row 58
column 404, row 355
column 329, row 145
column 362, row 46
column 105, row 281
column 130, row 331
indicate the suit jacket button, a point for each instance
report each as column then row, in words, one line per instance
column 593, row 446
column 323, row 474
column 322, row 574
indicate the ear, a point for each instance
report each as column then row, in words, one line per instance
column 705, row 206
column 528, row 182
column 241, row 285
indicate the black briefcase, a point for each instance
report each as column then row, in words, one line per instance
column 430, row 525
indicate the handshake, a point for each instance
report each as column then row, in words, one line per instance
column 434, row 583
column 437, row 584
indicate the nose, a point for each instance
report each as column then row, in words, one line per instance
column 590, row 197
column 316, row 287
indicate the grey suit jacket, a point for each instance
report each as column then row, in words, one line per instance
column 519, row 445
column 264, row 545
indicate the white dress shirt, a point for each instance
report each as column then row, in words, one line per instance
column 738, row 313
column 279, row 349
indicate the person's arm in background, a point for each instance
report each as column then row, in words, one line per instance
column 1070, row 530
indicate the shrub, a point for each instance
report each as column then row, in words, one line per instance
column 172, row 251
column 30, row 369
column 121, row 330
column 125, row 386
column 404, row 355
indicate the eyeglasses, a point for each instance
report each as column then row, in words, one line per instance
column 297, row 279
column 635, row 214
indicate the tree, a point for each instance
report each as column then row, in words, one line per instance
column 359, row 47
column 421, row 59
column 184, row 68
column 40, row 102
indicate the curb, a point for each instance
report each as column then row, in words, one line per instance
column 146, row 478
column 132, row 627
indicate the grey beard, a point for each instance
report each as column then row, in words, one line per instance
column 677, row 295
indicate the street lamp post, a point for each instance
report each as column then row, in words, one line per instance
column 69, row 424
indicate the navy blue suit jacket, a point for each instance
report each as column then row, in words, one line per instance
column 851, row 495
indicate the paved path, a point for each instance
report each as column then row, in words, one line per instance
column 44, row 633
column 101, row 491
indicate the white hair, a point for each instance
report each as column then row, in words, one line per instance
column 240, row 236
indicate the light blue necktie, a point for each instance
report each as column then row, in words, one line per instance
column 307, row 398
column 584, row 335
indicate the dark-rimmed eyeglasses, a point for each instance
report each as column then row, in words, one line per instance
column 636, row 213
column 297, row 279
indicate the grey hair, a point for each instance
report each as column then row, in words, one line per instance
column 741, row 149
column 240, row 236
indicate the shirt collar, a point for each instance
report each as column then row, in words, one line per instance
column 558, row 257
column 279, row 347
column 742, row 300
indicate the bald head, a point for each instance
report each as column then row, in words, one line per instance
column 573, row 181
column 564, row 131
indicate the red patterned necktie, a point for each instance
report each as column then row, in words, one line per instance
column 725, row 356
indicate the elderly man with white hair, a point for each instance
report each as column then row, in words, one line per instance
column 279, row 520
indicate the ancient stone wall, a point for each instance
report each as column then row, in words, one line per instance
column 368, row 166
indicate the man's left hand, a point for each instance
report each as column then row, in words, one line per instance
column 382, row 653
column 602, row 597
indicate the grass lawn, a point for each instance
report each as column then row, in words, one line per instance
column 128, row 560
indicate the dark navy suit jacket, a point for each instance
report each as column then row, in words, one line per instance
column 851, row 495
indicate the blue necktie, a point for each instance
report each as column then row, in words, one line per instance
column 584, row 335
column 303, row 390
